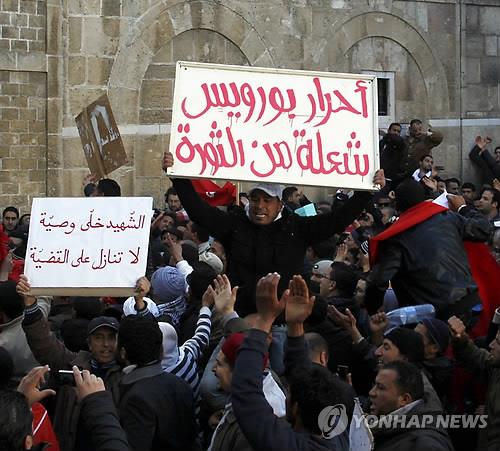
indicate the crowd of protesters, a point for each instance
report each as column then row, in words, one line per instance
column 252, row 320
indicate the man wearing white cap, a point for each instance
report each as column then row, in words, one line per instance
column 265, row 238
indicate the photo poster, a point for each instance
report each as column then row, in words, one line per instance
column 274, row 125
column 101, row 139
column 95, row 246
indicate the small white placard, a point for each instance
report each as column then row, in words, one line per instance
column 99, row 243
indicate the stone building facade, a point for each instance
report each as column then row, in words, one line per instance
column 440, row 59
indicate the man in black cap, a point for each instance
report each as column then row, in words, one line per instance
column 407, row 345
column 48, row 350
column 439, row 367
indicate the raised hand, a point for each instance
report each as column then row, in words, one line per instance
column 341, row 255
column 30, row 385
column 496, row 184
column 142, row 287
column 457, row 327
column 269, row 307
column 224, row 297
column 23, row 288
column 168, row 160
column 174, row 247
column 481, row 142
column 299, row 304
column 430, row 183
column 379, row 178
column 345, row 320
column 455, row 202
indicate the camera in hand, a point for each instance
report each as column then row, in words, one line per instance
column 66, row 377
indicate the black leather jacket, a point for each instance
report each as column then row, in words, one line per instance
column 427, row 264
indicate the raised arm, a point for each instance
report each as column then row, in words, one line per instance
column 197, row 344
column 217, row 222
column 262, row 429
column 435, row 137
column 473, row 225
column 321, row 227
column 299, row 306
column 478, row 360
column 46, row 348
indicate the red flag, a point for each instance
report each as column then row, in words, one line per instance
column 486, row 273
column 213, row 194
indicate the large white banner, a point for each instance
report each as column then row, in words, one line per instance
column 273, row 125
column 98, row 243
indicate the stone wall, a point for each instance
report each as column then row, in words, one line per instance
column 23, row 148
column 23, row 102
column 23, row 25
column 443, row 54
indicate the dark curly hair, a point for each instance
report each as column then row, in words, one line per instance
column 315, row 388
column 201, row 277
column 141, row 338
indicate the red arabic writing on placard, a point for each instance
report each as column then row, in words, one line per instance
column 76, row 258
column 310, row 155
column 307, row 143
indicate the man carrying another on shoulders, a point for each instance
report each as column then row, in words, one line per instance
column 266, row 238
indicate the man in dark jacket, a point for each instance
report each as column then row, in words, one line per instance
column 338, row 287
column 397, row 394
column 435, row 335
column 338, row 339
column 423, row 255
column 98, row 413
column 156, row 408
column 48, row 350
column 393, row 154
column 486, row 367
column 487, row 163
column 312, row 387
column 420, row 143
column 267, row 238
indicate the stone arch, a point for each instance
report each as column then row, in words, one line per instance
column 159, row 25
column 389, row 26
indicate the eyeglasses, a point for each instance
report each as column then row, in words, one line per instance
column 384, row 204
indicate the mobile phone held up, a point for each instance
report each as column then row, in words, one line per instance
column 66, row 377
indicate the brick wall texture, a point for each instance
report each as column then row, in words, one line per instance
column 23, row 130
column 23, row 25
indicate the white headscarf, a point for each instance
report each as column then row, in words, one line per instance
column 171, row 352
